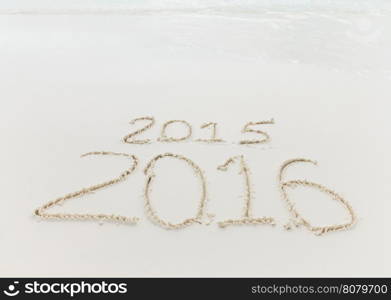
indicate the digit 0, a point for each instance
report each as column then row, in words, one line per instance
column 151, row 212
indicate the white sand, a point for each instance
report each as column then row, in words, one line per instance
column 72, row 76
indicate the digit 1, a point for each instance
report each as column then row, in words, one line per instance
column 214, row 138
column 246, row 218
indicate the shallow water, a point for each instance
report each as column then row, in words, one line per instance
column 339, row 35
